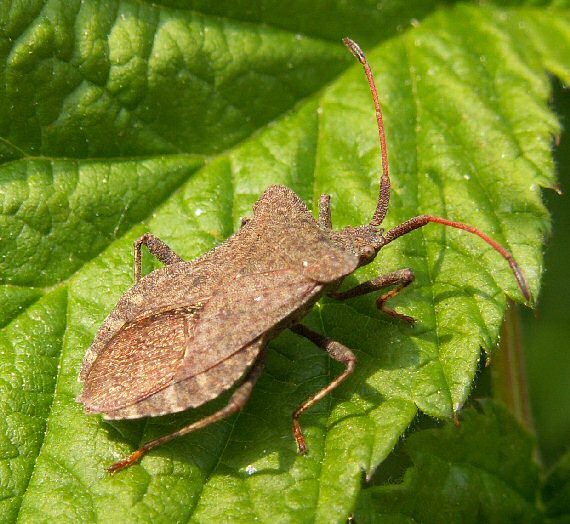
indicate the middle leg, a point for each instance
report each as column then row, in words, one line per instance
column 401, row 279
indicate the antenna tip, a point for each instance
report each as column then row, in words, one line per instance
column 523, row 285
column 354, row 49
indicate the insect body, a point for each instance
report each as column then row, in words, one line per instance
column 189, row 331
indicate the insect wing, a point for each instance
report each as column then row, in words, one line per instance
column 187, row 284
column 196, row 390
column 140, row 359
column 253, row 305
column 167, row 288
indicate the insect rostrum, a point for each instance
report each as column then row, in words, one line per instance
column 189, row 331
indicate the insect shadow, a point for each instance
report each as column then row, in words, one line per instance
column 294, row 369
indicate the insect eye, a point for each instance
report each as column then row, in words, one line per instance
column 367, row 252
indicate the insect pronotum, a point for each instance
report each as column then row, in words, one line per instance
column 189, row 331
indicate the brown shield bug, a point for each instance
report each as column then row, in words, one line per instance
column 189, row 331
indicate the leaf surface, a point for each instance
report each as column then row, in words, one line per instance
column 123, row 118
column 556, row 491
column 479, row 472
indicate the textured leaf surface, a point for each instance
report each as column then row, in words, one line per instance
column 479, row 472
column 122, row 118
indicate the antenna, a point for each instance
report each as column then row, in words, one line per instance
column 384, row 197
column 422, row 220
column 419, row 221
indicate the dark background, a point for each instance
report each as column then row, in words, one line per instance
column 546, row 339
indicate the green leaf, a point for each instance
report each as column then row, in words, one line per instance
column 479, row 472
column 122, row 118
column 556, row 491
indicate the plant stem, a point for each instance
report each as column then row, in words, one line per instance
column 508, row 372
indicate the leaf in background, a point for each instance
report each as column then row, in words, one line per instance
column 480, row 472
column 556, row 491
column 122, row 118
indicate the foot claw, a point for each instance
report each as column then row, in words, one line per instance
column 410, row 320
column 400, row 316
column 122, row 464
column 301, row 445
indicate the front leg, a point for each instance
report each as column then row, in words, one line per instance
column 158, row 248
column 401, row 279
column 335, row 350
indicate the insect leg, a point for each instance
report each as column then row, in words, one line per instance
column 401, row 279
column 236, row 403
column 158, row 248
column 325, row 218
column 335, row 350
